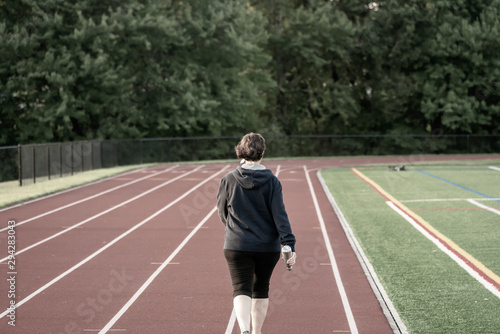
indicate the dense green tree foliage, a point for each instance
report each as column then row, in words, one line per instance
column 310, row 44
column 148, row 68
column 433, row 66
column 126, row 69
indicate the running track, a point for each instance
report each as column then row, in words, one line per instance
column 142, row 253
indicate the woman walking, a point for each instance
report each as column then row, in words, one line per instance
column 250, row 204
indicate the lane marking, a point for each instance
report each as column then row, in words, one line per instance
column 155, row 274
column 385, row 302
column 232, row 321
column 336, row 272
column 91, row 197
column 474, row 264
column 458, row 185
column 484, row 206
column 43, row 197
column 494, row 168
column 112, row 242
column 103, row 212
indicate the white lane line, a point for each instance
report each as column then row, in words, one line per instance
column 388, row 308
column 90, row 197
column 278, row 169
column 494, row 168
column 336, row 273
column 112, row 242
column 446, row 200
column 157, row 272
column 448, row 252
column 102, row 213
column 75, row 188
column 230, row 324
column 483, row 206
column 111, row 330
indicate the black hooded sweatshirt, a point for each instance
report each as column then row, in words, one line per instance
column 250, row 204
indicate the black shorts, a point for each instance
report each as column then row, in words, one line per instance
column 251, row 272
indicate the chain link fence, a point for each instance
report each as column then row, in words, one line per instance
column 36, row 162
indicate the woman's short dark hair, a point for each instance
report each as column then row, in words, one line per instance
column 251, row 147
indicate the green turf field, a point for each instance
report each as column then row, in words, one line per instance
column 431, row 292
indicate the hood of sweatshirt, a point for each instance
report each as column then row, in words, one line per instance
column 250, row 179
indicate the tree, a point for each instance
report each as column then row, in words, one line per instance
column 431, row 67
column 211, row 82
column 460, row 92
column 127, row 69
column 68, row 80
column 311, row 43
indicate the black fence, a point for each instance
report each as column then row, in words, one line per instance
column 34, row 162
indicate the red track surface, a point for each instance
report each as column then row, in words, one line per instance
column 80, row 280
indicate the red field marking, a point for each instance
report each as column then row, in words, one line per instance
column 484, row 207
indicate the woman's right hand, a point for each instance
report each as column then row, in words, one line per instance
column 291, row 260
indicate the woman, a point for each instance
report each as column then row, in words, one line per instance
column 250, row 204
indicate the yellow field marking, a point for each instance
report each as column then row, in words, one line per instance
column 444, row 239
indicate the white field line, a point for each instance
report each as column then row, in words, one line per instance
column 230, row 324
column 290, row 169
column 112, row 242
column 447, row 200
column 336, row 272
column 494, row 168
column 454, row 257
column 90, row 197
column 278, row 169
column 157, row 272
column 483, row 206
column 388, row 308
column 101, row 213
column 75, row 188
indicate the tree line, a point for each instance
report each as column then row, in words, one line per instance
column 102, row 69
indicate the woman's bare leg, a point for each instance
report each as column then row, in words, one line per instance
column 259, row 312
column 243, row 309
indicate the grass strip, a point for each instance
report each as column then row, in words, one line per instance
column 11, row 193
